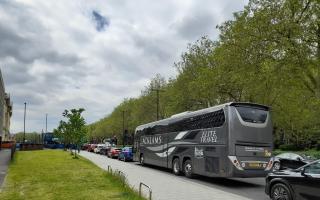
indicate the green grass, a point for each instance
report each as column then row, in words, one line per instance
column 55, row 175
column 312, row 152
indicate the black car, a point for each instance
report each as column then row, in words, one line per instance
column 295, row 184
column 290, row 160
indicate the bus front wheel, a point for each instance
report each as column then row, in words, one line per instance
column 188, row 169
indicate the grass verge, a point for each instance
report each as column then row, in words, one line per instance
column 55, row 175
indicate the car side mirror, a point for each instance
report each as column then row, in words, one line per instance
column 303, row 173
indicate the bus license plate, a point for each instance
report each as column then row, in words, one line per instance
column 254, row 165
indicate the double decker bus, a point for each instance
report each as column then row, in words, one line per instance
column 228, row 140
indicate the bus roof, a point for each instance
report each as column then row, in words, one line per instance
column 187, row 114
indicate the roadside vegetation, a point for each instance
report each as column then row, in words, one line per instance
column 268, row 54
column 53, row 174
column 310, row 152
column 73, row 131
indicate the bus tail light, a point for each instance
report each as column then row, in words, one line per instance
column 235, row 162
column 270, row 165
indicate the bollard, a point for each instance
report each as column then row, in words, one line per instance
column 150, row 191
column 122, row 177
column 109, row 168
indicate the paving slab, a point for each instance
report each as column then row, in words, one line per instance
column 5, row 156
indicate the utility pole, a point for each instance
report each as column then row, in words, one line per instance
column 42, row 136
column 123, row 136
column 47, row 123
column 24, row 122
column 158, row 90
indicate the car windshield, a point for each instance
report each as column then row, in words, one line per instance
column 306, row 157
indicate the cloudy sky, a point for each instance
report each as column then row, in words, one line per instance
column 93, row 53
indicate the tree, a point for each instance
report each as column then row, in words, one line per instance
column 74, row 130
column 268, row 54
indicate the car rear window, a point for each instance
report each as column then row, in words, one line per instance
column 252, row 114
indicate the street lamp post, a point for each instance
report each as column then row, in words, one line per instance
column 24, row 122
column 47, row 123
column 123, row 136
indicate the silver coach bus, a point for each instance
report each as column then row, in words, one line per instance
column 228, row 140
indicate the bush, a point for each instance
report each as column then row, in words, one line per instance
column 289, row 147
column 313, row 153
column 318, row 146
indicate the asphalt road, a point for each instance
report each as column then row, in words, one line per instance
column 166, row 186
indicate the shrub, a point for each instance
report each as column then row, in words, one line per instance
column 289, row 147
column 318, row 146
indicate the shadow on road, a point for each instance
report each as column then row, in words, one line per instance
column 227, row 182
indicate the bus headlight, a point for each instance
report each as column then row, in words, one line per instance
column 235, row 162
column 270, row 165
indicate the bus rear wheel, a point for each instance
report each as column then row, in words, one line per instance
column 141, row 159
column 188, row 169
column 176, row 166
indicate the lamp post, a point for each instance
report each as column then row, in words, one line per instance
column 47, row 123
column 123, row 136
column 24, row 122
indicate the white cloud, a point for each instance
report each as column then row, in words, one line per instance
column 53, row 57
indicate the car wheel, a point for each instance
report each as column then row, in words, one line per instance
column 276, row 166
column 141, row 159
column 176, row 166
column 188, row 169
column 280, row 191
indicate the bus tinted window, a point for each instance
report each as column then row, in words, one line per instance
column 208, row 120
column 252, row 114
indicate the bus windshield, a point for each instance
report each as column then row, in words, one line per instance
column 252, row 114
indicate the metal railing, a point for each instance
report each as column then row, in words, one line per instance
column 123, row 178
column 117, row 173
column 109, row 169
column 149, row 188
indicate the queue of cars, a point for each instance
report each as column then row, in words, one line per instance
column 110, row 151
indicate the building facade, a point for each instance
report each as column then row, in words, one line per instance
column 5, row 112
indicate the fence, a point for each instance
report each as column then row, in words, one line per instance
column 28, row 147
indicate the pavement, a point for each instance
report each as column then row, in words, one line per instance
column 164, row 184
column 5, row 156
